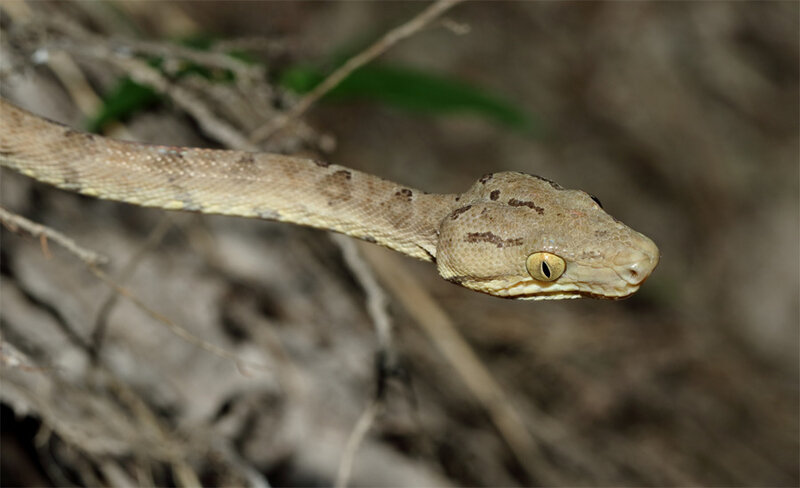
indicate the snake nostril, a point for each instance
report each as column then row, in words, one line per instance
column 632, row 273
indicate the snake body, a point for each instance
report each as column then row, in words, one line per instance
column 510, row 235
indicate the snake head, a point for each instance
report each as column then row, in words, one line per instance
column 520, row 236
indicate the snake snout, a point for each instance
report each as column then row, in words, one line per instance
column 635, row 264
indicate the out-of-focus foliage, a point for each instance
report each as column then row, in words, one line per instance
column 396, row 86
column 414, row 90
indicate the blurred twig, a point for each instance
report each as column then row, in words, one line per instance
column 101, row 320
column 356, row 436
column 443, row 333
column 93, row 259
column 16, row 223
column 376, row 49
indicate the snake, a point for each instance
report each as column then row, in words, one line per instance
column 510, row 235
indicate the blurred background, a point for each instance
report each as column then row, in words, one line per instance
column 681, row 117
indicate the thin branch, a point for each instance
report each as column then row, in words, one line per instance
column 92, row 260
column 354, row 441
column 475, row 375
column 377, row 301
column 16, row 223
column 376, row 49
column 101, row 319
column 175, row 328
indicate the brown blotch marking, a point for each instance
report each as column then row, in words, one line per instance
column 600, row 233
column 520, row 203
column 398, row 211
column 321, row 163
column 247, row 159
column 244, row 165
column 550, row 182
column 459, row 211
column 486, row 177
column 72, row 178
column 336, row 187
column 494, row 195
column 492, row 239
column 405, row 193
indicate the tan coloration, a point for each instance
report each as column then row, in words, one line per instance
column 476, row 240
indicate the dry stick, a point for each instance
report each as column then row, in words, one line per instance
column 173, row 51
column 211, row 124
column 379, row 47
column 356, row 437
column 435, row 322
column 62, row 66
column 377, row 301
column 175, row 328
column 16, row 222
column 145, row 74
column 92, row 260
column 101, row 319
column 147, row 418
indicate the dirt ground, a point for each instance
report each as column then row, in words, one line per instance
column 245, row 352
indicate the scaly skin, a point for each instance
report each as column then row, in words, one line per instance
column 480, row 239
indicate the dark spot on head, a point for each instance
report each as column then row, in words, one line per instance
column 520, row 203
column 486, row 178
column 493, row 239
column 494, row 195
column 246, row 159
column 336, row 187
column 458, row 198
column 321, row 163
column 71, row 134
column 459, row 211
column 550, row 182
column 244, row 166
column 404, row 193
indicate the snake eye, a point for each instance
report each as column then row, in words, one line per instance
column 544, row 266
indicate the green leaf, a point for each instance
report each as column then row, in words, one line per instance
column 123, row 100
column 413, row 90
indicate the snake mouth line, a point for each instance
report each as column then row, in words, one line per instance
column 612, row 294
column 557, row 295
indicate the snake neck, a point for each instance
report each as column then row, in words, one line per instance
column 258, row 185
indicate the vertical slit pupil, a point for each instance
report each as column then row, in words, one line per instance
column 545, row 269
